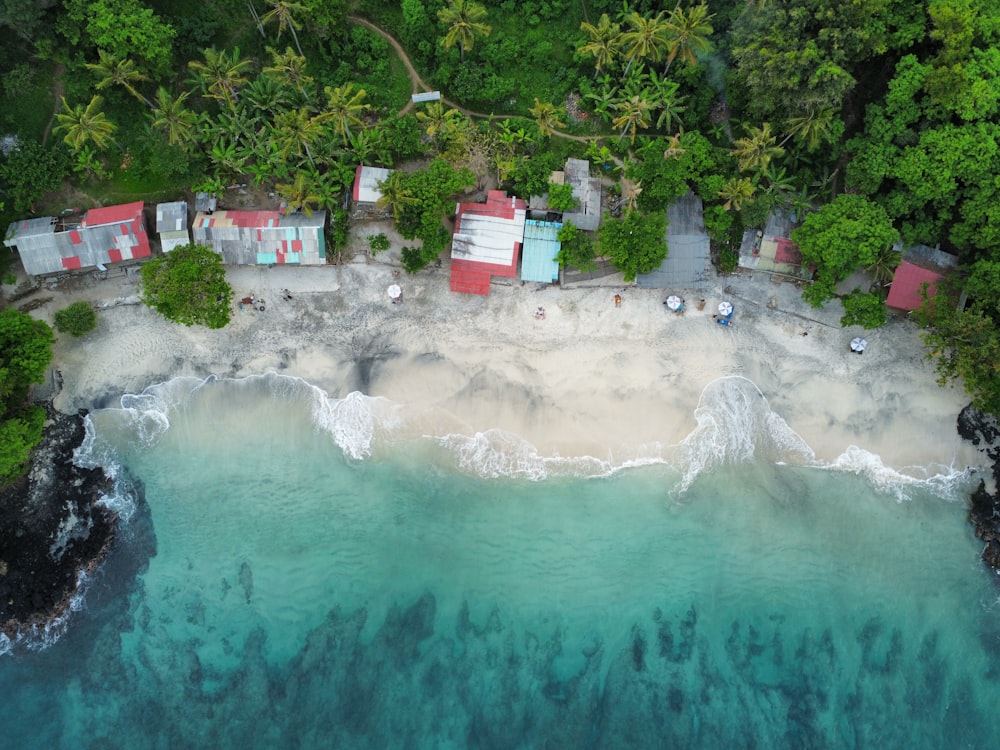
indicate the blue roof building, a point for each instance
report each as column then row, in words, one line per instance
column 539, row 251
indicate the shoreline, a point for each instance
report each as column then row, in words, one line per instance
column 590, row 379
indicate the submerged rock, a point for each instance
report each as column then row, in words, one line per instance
column 983, row 431
column 51, row 529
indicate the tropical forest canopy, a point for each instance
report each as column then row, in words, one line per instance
column 752, row 104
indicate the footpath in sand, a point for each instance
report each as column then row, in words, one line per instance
column 590, row 379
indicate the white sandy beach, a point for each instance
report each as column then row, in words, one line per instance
column 589, row 379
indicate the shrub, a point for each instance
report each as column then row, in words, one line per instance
column 378, row 243
column 77, row 319
column 863, row 309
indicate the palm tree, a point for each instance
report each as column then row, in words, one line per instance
column 344, row 107
column 289, row 68
column 688, row 34
column 646, row 40
column 666, row 100
column 634, row 114
column 813, row 128
column 84, row 125
column 602, row 43
column 301, row 193
column 173, row 118
column 629, row 200
column 547, row 115
column 437, row 119
column 757, row 148
column 674, row 150
column 222, row 74
column 281, row 11
column 465, row 21
column 118, row 71
column 395, row 195
column 884, row 267
column 737, row 191
column 296, row 131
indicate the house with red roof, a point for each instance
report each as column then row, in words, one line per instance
column 103, row 236
column 487, row 242
column 921, row 265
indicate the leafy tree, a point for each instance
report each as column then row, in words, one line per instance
column 431, row 193
column 20, row 432
column 965, row 341
column 188, row 286
column 77, row 319
column 842, row 236
column 636, row 243
column 378, row 243
column 29, row 171
column 863, row 309
column 561, row 197
column 301, row 194
column 464, row 20
column 576, row 248
column 25, row 353
column 83, row 125
column 129, row 28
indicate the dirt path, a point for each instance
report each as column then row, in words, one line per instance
column 419, row 85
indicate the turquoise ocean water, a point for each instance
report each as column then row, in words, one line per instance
column 291, row 575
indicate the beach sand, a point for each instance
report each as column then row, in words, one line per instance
column 590, row 379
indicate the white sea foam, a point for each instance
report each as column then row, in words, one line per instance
column 38, row 637
column 945, row 481
column 735, row 426
column 499, row 454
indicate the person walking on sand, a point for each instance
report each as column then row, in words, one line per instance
column 618, row 300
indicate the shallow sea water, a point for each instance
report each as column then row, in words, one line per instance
column 289, row 575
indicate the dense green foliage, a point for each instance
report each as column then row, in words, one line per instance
column 635, row 243
column 188, row 286
column 30, row 171
column 78, row 319
column 561, row 197
column 576, row 248
column 25, row 353
column 843, row 236
column 965, row 341
column 864, row 309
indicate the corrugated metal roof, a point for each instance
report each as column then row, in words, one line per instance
column 29, row 228
column 489, row 232
column 587, row 191
column 96, row 217
column 366, row 179
column 688, row 248
column 205, row 202
column 106, row 235
column 171, row 217
column 263, row 237
column 426, row 96
column 539, row 250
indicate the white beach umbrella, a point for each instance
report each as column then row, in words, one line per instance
column 394, row 291
column 725, row 309
column 858, row 345
column 674, row 302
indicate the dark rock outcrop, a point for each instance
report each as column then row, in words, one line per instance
column 983, row 431
column 51, row 529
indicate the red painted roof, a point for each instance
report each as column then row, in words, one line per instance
column 470, row 278
column 787, row 252
column 253, row 218
column 97, row 217
column 904, row 293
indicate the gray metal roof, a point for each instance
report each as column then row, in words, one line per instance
column 205, row 202
column 29, row 228
column 688, row 248
column 263, row 237
column 171, row 217
column 587, row 191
